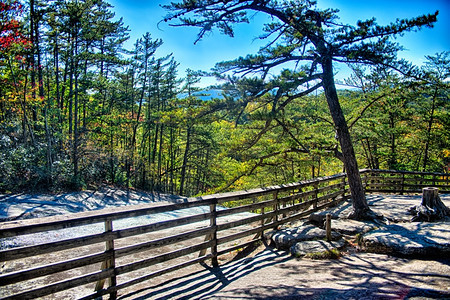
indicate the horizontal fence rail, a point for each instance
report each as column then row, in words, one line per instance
column 403, row 182
column 111, row 252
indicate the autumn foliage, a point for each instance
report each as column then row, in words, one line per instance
column 10, row 28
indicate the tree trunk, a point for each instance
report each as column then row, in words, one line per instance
column 431, row 208
column 185, row 159
column 32, row 62
column 161, row 131
column 70, row 104
column 360, row 208
column 392, row 161
column 429, row 127
column 75, row 119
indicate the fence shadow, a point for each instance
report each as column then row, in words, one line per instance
column 208, row 281
column 355, row 276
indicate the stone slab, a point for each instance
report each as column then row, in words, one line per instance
column 340, row 211
column 352, row 227
column 287, row 237
column 411, row 239
column 306, row 247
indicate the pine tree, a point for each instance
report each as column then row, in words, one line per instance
column 312, row 38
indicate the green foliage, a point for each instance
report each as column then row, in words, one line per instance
column 23, row 167
column 76, row 110
column 406, row 127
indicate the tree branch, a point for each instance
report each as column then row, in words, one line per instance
column 365, row 108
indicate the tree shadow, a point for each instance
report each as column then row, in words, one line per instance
column 355, row 276
column 285, row 292
column 210, row 280
column 416, row 239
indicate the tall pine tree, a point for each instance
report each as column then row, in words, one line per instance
column 303, row 35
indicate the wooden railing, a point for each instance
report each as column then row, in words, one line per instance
column 197, row 230
column 403, row 182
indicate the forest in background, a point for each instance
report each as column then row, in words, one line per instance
column 78, row 110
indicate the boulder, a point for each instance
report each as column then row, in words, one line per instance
column 316, row 247
column 410, row 239
column 338, row 212
column 285, row 238
column 352, row 227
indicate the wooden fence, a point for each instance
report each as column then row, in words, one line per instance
column 75, row 259
column 403, row 182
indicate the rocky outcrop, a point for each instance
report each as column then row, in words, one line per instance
column 352, row 227
column 284, row 239
column 320, row 248
column 410, row 239
column 304, row 240
column 396, row 235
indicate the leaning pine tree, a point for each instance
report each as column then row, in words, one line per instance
column 307, row 41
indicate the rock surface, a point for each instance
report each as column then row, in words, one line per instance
column 410, row 239
column 340, row 211
column 397, row 235
column 352, row 227
column 285, row 238
column 27, row 206
column 308, row 247
column 272, row 274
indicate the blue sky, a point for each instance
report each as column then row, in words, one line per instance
column 144, row 15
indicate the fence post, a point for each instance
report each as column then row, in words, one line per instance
column 344, row 184
column 447, row 180
column 109, row 263
column 373, row 181
column 403, row 184
column 363, row 180
column 316, row 194
column 212, row 236
column 328, row 227
column 263, row 220
column 421, row 182
column 213, row 224
column 275, row 207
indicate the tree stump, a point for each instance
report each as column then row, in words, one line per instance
column 431, row 208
